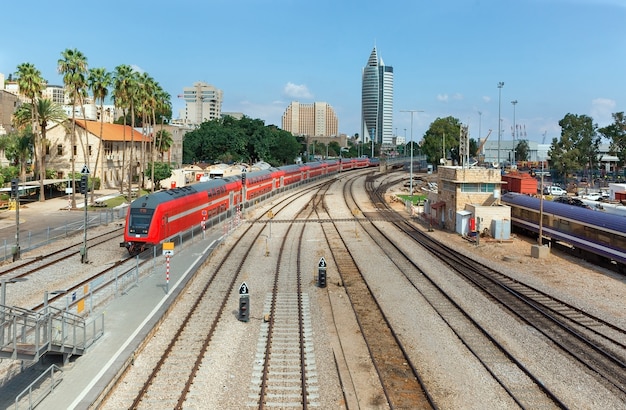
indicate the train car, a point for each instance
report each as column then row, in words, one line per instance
column 153, row 218
column 294, row 174
column 258, row 183
column 347, row 164
column 316, row 169
column 597, row 233
column 333, row 166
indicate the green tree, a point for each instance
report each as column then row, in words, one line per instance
column 245, row 140
column 99, row 82
column 19, row 149
column 163, row 142
column 616, row 134
column 578, row 146
column 73, row 66
column 442, row 129
column 122, row 95
column 163, row 106
column 46, row 112
column 31, row 84
column 522, row 151
column 158, row 172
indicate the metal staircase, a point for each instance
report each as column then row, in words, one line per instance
column 29, row 335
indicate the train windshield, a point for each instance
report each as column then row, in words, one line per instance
column 139, row 221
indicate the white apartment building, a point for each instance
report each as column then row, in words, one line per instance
column 203, row 102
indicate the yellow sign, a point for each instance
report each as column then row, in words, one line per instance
column 168, row 246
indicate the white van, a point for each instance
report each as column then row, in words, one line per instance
column 554, row 191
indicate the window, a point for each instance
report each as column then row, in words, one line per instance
column 89, row 149
column 59, row 149
column 478, row 187
column 75, row 150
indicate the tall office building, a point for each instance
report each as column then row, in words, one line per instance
column 203, row 102
column 377, row 101
column 315, row 120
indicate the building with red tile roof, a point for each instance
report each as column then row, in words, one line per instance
column 118, row 147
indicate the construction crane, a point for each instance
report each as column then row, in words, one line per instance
column 481, row 157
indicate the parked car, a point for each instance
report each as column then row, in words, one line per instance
column 554, row 190
column 564, row 199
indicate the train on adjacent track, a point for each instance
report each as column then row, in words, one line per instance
column 154, row 218
column 591, row 234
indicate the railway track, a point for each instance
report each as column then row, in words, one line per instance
column 595, row 343
column 525, row 389
column 27, row 266
column 176, row 361
column 401, row 382
column 285, row 375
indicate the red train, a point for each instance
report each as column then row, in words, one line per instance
column 154, row 218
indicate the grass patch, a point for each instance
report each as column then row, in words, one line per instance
column 417, row 199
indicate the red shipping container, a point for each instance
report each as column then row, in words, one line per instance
column 520, row 183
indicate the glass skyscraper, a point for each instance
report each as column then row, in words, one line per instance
column 377, row 101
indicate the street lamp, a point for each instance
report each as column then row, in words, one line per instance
column 514, row 102
column 411, row 166
column 500, row 85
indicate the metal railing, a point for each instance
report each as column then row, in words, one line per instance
column 39, row 388
column 33, row 239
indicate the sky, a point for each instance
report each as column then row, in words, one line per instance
column 554, row 56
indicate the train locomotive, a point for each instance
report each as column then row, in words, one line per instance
column 595, row 235
column 153, row 218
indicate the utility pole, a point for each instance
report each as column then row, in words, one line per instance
column 500, row 85
column 411, row 165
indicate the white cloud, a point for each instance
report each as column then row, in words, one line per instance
column 602, row 110
column 292, row 90
column 457, row 96
column 486, row 98
column 442, row 97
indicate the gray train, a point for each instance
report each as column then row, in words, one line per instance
column 592, row 234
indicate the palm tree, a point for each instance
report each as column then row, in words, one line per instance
column 164, row 106
column 31, row 83
column 146, row 101
column 47, row 112
column 99, row 82
column 122, row 79
column 163, row 142
column 73, row 66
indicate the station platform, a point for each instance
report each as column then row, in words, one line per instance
column 128, row 319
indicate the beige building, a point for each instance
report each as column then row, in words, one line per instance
column 464, row 189
column 203, row 102
column 8, row 104
column 315, row 120
column 120, row 146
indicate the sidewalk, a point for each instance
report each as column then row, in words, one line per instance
column 128, row 319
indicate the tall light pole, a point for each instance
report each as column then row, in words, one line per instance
column 404, row 150
column 411, row 166
column 514, row 102
column 500, row 85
